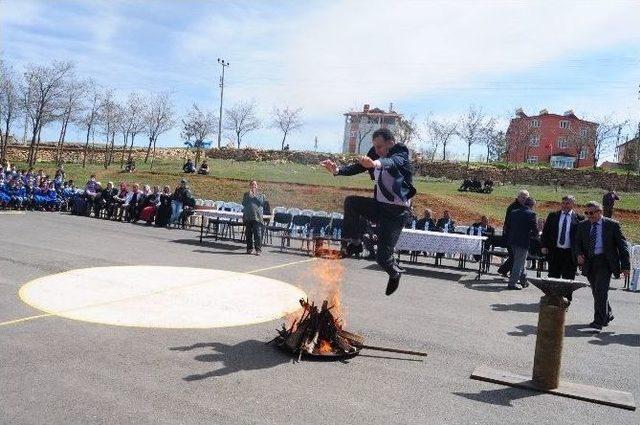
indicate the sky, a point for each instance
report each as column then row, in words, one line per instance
column 329, row 57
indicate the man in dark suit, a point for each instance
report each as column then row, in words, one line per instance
column 524, row 226
column 518, row 203
column 426, row 222
column 388, row 164
column 557, row 236
column 446, row 224
column 601, row 250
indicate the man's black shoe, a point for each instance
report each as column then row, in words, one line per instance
column 393, row 283
column 595, row 325
column 609, row 320
column 351, row 250
column 513, row 288
column 524, row 284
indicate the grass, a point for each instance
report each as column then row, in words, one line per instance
column 307, row 186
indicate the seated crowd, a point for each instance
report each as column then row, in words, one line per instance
column 30, row 190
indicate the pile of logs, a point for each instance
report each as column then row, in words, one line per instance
column 318, row 333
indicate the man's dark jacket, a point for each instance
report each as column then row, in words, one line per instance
column 426, row 224
column 507, row 218
column 550, row 230
column 395, row 163
column 614, row 245
column 442, row 222
column 524, row 226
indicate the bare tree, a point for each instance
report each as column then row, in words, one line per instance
column 286, row 120
column 198, row 125
column 407, row 131
column 109, row 120
column 9, row 104
column 472, row 127
column 69, row 105
column 241, row 119
column 363, row 132
column 43, row 85
column 159, row 118
column 496, row 145
column 601, row 137
column 91, row 114
column 439, row 132
column 133, row 121
column 521, row 137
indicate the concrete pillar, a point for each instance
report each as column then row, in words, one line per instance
column 548, row 355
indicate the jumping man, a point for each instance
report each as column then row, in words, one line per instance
column 388, row 164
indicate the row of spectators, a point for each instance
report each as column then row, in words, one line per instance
column 31, row 190
column 28, row 189
column 132, row 204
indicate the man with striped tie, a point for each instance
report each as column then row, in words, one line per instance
column 601, row 250
column 389, row 165
column 557, row 236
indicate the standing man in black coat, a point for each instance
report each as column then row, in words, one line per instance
column 557, row 236
column 601, row 250
column 388, row 164
column 518, row 203
column 525, row 227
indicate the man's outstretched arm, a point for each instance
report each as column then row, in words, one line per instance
column 347, row 170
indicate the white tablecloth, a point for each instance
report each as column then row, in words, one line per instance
column 447, row 243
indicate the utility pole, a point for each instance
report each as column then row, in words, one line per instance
column 224, row 64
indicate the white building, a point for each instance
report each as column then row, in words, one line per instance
column 359, row 126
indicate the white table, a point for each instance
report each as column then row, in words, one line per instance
column 447, row 243
column 417, row 241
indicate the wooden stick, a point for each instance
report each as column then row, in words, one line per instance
column 393, row 350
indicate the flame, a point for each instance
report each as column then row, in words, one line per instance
column 328, row 274
column 324, row 347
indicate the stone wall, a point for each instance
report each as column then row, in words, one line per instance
column 455, row 171
column 73, row 153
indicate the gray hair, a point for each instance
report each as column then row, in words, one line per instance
column 569, row 198
column 523, row 193
column 594, row 204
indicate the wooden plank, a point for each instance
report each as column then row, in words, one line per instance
column 620, row 399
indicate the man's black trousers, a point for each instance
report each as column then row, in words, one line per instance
column 599, row 276
column 253, row 233
column 390, row 220
column 561, row 264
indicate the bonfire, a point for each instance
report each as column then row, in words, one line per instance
column 318, row 329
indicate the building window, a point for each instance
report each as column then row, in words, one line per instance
column 583, row 153
column 534, row 141
column 532, row 159
column 563, row 143
column 564, row 124
column 535, row 123
column 584, row 132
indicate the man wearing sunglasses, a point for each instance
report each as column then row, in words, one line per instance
column 601, row 250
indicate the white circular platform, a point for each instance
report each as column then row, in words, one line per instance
column 162, row 297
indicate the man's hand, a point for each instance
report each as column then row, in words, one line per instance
column 331, row 166
column 580, row 260
column 366, row 162
column 545, row 251
column 625, row 273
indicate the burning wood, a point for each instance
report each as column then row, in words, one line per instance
column 318, row 333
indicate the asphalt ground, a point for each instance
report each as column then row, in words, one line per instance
column 60, row 371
